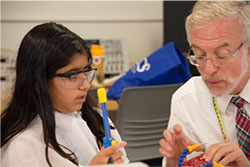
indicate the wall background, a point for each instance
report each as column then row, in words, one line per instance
column 139, row 23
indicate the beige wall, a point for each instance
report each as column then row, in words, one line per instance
column 139, row 23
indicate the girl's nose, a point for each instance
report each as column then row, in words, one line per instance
column 84, row 84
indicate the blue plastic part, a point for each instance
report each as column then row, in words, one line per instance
column 105, row 120
column 182, row 157
column 186, row 151
column 209, row 164
column 180, row 164
column 107, row 139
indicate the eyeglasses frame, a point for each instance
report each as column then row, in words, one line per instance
column 197, row 65
column 67, row 75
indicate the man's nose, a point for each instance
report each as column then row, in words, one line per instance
column 210, row 67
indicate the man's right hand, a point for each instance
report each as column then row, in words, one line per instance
column 173, row 145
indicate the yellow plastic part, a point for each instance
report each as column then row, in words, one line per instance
column 101, row 93
column 114, row 142
column 217, row 165
column 191, row 148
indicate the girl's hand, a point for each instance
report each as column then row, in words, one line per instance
column 104, row 154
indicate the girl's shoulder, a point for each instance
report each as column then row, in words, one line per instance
column 28, row 137
column 24, row 147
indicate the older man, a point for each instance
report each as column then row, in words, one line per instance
column 215, row 107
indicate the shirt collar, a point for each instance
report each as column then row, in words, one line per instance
column 65, row 121
column 245, row 93
column 222, row 102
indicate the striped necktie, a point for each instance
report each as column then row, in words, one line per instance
column 242, row 126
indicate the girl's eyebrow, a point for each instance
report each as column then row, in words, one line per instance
column 86, row 67
column 73, row 70
column 77, row 69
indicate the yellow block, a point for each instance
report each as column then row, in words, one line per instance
column 101, row 93
column 217, row 165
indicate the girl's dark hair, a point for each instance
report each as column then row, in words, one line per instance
column 45, row 49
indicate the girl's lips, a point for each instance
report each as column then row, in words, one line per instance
column 81, row 99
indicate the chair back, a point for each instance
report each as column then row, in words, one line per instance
column 142, row 116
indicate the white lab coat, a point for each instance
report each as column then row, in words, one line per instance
column 28, row 148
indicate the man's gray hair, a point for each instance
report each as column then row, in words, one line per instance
column 206, row 11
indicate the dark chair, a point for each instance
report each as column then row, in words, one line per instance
column 142, row 116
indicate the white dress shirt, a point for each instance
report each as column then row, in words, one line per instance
column 28, row 148
column 192, row 108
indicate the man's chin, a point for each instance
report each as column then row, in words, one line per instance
column 217, row 92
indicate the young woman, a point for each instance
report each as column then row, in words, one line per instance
column 50, row 120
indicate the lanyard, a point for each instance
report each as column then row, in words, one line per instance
column 219, row 119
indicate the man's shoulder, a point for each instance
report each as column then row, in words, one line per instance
column 193, row 87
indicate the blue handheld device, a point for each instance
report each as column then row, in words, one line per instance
column 107, row 139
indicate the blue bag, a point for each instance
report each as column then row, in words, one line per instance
column 167, row 65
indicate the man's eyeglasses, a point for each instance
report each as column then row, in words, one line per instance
column 218, row 60
column 75, row 80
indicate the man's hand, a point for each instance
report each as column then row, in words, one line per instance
column 228, row 154
column 104, row 154
column 173, row 144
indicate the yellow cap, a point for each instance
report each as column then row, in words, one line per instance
column 101, row 93
column 97, row 50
